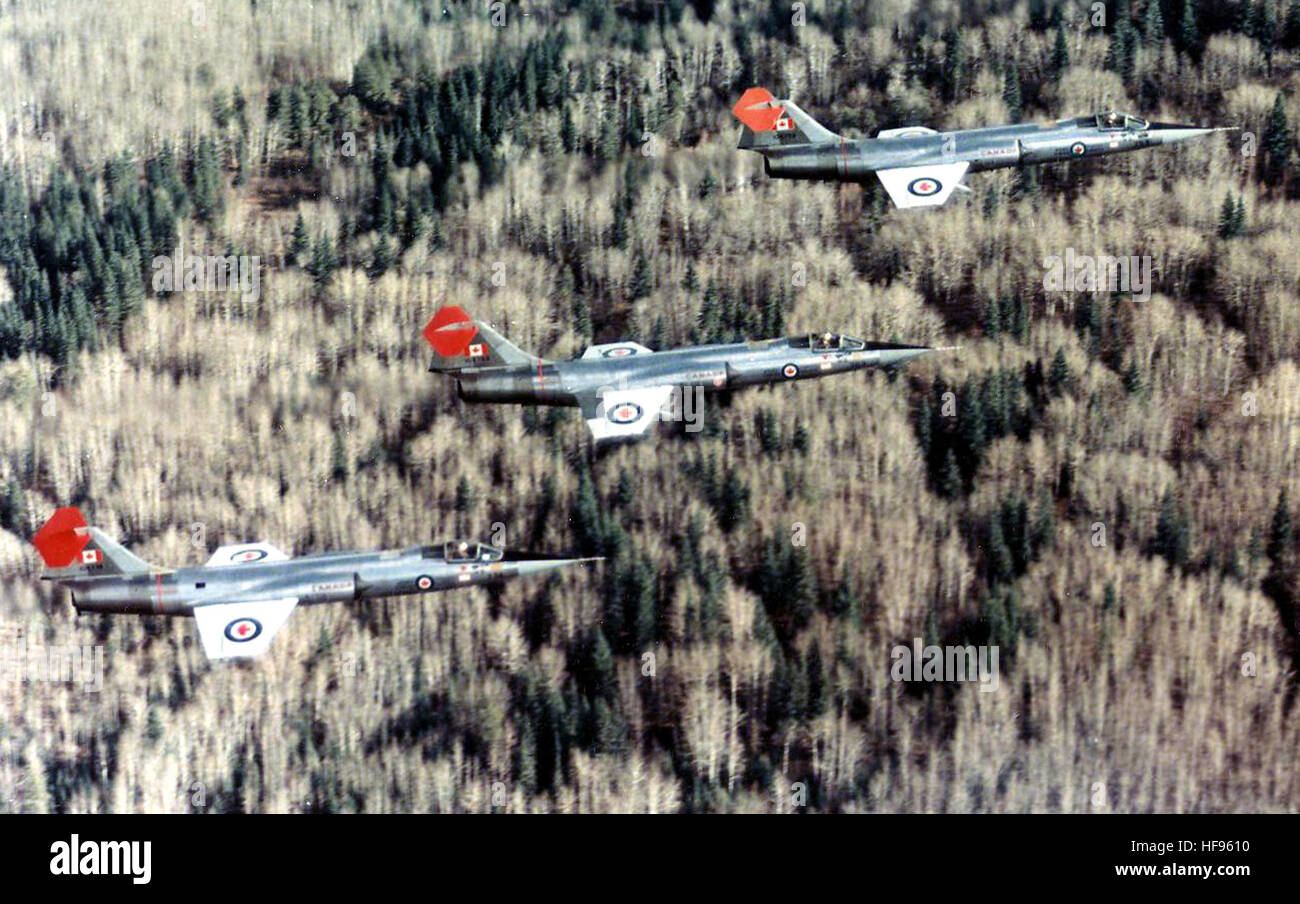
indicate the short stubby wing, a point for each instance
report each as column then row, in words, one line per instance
column 241, row 630
column 615, row 350
column 624, row 413
column 922, row 186
column 246, row 554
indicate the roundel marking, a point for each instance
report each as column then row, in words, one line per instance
column 242, row 630
column 625, row 413
column 790, row 371
column 424, row 582
column 248, row 555
column 622, row 351
column 1078, row 149
column 925, row 187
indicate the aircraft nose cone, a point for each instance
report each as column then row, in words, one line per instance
column 901, row 354
column 1171, row 133
column 534, row 563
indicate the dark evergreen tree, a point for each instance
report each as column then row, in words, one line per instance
column 1189, row 33
column 1061, row 54
column 1011, row 90
column 1059, row 378
column 1173, row 531
column 1276, row 143
column 300, row 242
column 1153, row 24
column 1281, row 538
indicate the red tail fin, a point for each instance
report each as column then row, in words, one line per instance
column 757, row 108
column 63, row 537
column 450, row 332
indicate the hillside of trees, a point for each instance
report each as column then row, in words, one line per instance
column 1105, row 487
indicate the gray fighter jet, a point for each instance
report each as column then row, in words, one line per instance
column 921, row 167
column 622, row 387
column 245, row 593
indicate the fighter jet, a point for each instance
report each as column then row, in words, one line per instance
column 245, row 593
column 623, row 387
column 920, row 167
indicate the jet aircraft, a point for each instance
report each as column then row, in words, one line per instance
column 622, row 387
column 245, row 593
column 921, row 167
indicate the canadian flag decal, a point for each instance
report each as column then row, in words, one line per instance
column 476, row 350
column 92, row 557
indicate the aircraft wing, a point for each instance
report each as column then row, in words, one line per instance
column 616, row 350
column 246, row 554
column 624, row 413
column 241, row 630
column 922, row 186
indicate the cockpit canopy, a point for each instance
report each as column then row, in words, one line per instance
column 1111, row 121
column 823, row 342
column 463, row 551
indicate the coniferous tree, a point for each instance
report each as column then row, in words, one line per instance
column 1153, row 24
column 1227, row 217
column 1276, row 145
column 1266, row 31
column 383, row 257
column 1061, row 54
column 1189, row 33
column 1281, row 537
column 206, row 186
column 1059, row 378
column 950, row 482
column 1173, row 531
column 1121, row 57
column 1011, row 90
column 997, row 555
column 641, row 282
column 954, row 65
column 300, row 242
column 323, row 259
column 1290, row 37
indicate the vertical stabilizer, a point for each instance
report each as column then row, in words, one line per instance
column 72, row 549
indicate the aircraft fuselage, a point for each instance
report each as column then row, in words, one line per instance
column 321, row 578
column 711, row 367
column 992, row 147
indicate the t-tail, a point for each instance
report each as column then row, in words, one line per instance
column 770, row 123
column 73, row 551
column 461, row 343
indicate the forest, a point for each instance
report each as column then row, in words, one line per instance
column 1102, row 486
